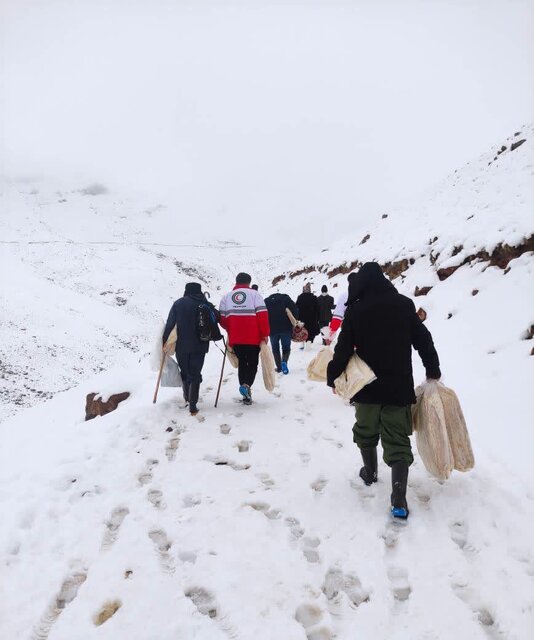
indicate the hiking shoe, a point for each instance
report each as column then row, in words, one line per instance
column 193, row 411
column 244, row 390
column 285, row 368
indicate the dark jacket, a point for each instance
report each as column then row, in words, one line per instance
column 183, row 316
column 276, row 304
column 382, row 326
column 309, row 313
column 326, row 305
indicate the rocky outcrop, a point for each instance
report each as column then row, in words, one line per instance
column 423, row 291
column 96, row 406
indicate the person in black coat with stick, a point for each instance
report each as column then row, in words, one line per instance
column 382, row 326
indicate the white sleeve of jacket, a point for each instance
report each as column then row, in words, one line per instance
column 341, row 305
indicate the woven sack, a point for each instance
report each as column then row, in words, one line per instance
column 431, row 433
column 460, row 443
column 317, row 368
column 356, row 376
column 232, row 358
column 267, row 367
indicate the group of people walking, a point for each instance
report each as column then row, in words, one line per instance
column 376, row 321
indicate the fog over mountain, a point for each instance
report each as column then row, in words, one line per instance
column 263, row 117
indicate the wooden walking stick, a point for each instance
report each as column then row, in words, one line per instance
column 164, row 355
column 222, row 371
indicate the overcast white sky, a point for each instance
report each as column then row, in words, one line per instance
column 262, row 116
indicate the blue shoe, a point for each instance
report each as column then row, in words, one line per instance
column 244, row 390
column 285, row 369
column 399, row 512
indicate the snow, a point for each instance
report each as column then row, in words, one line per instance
column 251, row 522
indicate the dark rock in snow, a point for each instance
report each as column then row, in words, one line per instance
column 474, row 292
column 514, row 145
column 96, row 406
column 422, row 291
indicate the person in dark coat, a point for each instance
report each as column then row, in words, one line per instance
column 309, row 311
column 190, row 350
column 281, row 328
column 382, row 326
column 326, row 306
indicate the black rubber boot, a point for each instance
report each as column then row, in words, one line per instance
column 278, row 362
column 194, row 389
column 368, row 473
column 399, row 482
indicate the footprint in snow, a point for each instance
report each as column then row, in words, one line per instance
column 266, row 480
column 162, row 545
column 263, row 507
column 243, row 446
column 310, row 617
column 459, row 535
column 295, row 527
column 188, row 556
column 155, row 497
column 470, row 597
column 304, row 457
column 225, row 429
column 319, row 484
column 112, row 527
column 146, row 476
column 67, row 593
column 400, row 587
column 191, row 500
column 206, row 605
column 223, row 462
column 337, row 583
column 172, row 447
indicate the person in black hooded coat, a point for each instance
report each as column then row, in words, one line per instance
column 190, row 349
column 382, row 326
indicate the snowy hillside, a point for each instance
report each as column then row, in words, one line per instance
column 465, row 253
column 251, row 522
column 87, row 278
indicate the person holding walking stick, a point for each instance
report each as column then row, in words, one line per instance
column 195, row 320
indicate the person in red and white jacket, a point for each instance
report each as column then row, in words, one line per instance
column 244, row 317
column 338, row 315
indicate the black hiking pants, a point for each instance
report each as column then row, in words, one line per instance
column 191, row 367
column 248, row 355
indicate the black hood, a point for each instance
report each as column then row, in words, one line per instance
column 368, row 280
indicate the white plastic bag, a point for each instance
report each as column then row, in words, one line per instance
column 155, row 353
column 267, row 367
column 231, row 356
column 170, row 376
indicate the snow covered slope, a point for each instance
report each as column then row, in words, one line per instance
column 468, row 247
column 250, row 522
column 87, row 278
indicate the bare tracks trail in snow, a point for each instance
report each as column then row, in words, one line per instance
column 251, row 523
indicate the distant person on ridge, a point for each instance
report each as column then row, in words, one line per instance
column 308, row 312
column 281, row 328
column 244, row 317
column 190, row 349
column 382, row 325
column 326, row 305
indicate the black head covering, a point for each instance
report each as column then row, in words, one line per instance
column 192, row 288
column 243, row 278
column 369, row 279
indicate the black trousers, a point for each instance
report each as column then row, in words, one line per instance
column 248, row 355
column 191, row 367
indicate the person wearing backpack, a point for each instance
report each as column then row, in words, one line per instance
column 245, row 319
column 195, row 320
column 281, row 328
column 383, row 326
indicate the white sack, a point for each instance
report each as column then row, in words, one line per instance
column 170, row 376
column 267, row 367
column 356, row 376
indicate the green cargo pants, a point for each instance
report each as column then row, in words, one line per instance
column 393, row 425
